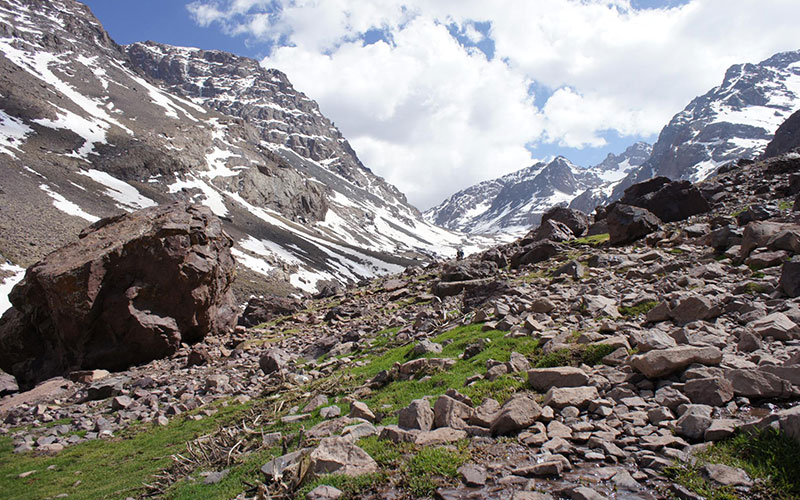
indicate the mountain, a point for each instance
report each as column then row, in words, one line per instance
column 513, row 203
column 735, row 120
column 90, row 129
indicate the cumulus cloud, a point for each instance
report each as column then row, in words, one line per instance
column 429, row 111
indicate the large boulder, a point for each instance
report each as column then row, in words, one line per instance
column 627, row 223
column 130, row 290
column 670, row 201
column 262, row 309
column 786, row 138
column 575, row 220
column 663, row 362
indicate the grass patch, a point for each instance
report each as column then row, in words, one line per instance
column 785, row 205
column 431, row 468
column 770, row 456
column 641, row 308
column 759, row 275
column 594, row 240
column 590, row 354
column 104, row 468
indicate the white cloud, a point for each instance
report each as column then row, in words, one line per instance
column 433, row 116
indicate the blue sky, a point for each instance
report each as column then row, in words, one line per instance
column 436, row 96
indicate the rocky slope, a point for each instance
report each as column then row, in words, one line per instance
column 87, row 130
column 513, row 203
column 547, row 368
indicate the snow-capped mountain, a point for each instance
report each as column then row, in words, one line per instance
column 89, row 129
column 513, row 203
column 734, row 120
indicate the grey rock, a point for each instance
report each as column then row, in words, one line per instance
column 518, row 413
column 324, row 492
column 336, row 455
column 542, row 379
column 776, row 325
column 417, row 415
column 664, row 362
column 579, row 397
column 448, row 412
column 726, row 475
column 709, row 391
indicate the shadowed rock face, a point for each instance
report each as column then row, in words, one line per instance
column 787, row 137
column 130, row 290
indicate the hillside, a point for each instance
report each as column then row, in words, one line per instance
column 529, row 371
column 90, row 129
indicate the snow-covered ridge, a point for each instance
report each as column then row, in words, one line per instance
column 512, row 204
column 94, row 132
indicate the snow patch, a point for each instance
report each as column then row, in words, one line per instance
column 127, row 197
column 67, row 206
column 12, row 134
column 8, row 283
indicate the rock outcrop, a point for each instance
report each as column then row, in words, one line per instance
column 131, row 289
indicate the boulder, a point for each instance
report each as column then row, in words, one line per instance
column 519, row 412
column 542, row 379
column 758, row 384
column 709, row 391
column 131, row 289
column 8, row 384
column 417, row 415
column 273, row 360
column 627, row 224
column 668, row 200
column 579, row 397
column 758, row 234
column 790, row 277
column 448, row 412
column 786, row 139
column 361, row 410
column 536, row 252
column 575, row 220
column 776, row 325
column 552, row 230
column 337, row 455
column 694, row 308
column 324, row 492
column 694, row 422
column 664, row 362
column 262, row 309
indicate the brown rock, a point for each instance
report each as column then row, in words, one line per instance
column 417, row 415
column 336, row 455
column 543, row 379
column 130, row 290
column 709, row 391
column 447, row 412
column 663, row 362
column 518, row 413
column 579, row 397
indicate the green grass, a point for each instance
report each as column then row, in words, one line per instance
column 785, row 205
column 594, row 240
column 590, row 354
column 431, row 468
column 399, row 394
column 769, row 456
column 105, row 468
column 636, row 310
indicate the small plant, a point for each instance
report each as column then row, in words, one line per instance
column 594, row 240
column 431, row 468
column 785, row 205
column 641, row 308
column 755, row 288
